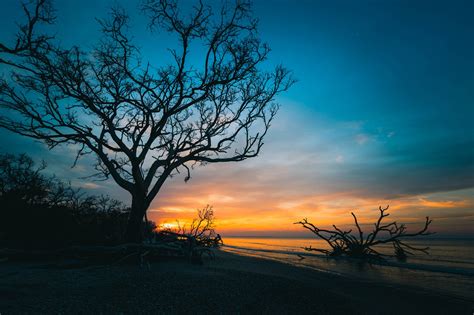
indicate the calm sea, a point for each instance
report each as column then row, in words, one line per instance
column 448, row 269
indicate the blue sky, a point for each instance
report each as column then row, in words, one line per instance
column 383, row 111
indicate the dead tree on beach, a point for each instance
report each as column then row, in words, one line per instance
column 344, row 243
column 194, row 239
column 201, row 230
column 144, row 123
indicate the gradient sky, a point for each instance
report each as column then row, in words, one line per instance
column 383, row 113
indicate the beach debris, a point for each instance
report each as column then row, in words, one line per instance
column 300, row 256
column 195, row 238
column 346, row 243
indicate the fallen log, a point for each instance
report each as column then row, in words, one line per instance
column 107, row 253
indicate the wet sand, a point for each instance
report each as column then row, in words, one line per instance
column 229, row 284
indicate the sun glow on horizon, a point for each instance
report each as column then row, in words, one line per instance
column 381, row 115
column 167, row 226
column 276, row 216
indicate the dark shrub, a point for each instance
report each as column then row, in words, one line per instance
column 38, row 211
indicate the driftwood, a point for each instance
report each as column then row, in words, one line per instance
column 196, row 239
column 192, row 246
column 189, row 243
column 345, row 243
column 142, row 253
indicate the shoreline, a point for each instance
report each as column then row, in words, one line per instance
column 435, row 280
column 388, row 263
column 230, row 283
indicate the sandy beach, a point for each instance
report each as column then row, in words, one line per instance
column 229, row 284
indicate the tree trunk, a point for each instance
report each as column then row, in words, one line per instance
column 134, row 232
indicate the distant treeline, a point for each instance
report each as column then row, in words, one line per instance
column 40, row 211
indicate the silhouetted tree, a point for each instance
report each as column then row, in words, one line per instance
column 38, row 208
column 21, row 180
column 144, row 123
column 345, row 243
column 201, row 228
column 196, row 238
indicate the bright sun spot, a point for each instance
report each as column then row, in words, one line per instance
column 168, row 226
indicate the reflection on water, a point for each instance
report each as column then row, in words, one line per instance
column 449, row 268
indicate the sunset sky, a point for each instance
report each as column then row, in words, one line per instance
column 382, row 113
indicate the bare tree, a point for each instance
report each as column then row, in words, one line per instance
column 201, row 228
column 194, row 239
column 344, row 243
column 21, row 180
column 144, row 123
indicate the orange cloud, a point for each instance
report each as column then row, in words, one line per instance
column 243, row 205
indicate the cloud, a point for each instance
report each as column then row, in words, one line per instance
column 361, row 138
column 366, row 125
column 90, row 185
column 308, row 170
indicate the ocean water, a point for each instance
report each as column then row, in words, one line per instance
column 448, row 269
